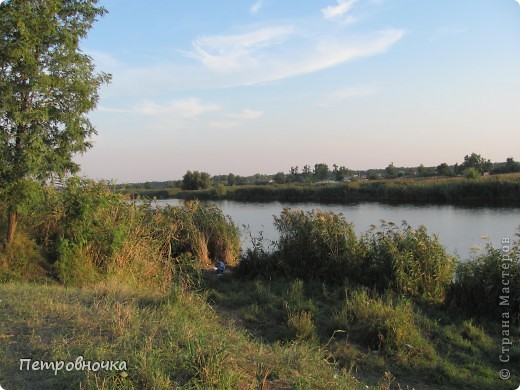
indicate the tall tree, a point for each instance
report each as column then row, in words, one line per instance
column 476, row 161
column 47, row 86
column 321, row 171
column 391, row 171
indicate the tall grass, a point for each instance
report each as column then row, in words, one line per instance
column 84, row 232
column 406, row 260
column 172, row 340
column 383, row 324
column 488, row 284
column 315, row 244
column 323, row 245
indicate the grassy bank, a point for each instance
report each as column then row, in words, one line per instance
column 91, row 274
column 172, row 340
column 503, row 189
column 385, row 341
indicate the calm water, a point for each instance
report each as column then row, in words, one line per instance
column 462, row 230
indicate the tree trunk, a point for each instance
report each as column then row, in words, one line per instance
column 11, row 226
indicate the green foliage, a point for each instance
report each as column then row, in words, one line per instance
column 391, row 171
column 509, row 167
column 47, row 86
column 385, row 325
column 86, row 232
column 481, row 282
column 202, row 231
column 23, row 260
column 471, row 173
column 315, row 244
column 196, row 180
column 320, row 245
column 405, row 260
column 279, row 178
column 488, row 190
column 444, row 170
column 301, row 325
column 321, row 172
column 74, row 267
column 477, row 162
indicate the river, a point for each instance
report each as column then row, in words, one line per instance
column 464, row 231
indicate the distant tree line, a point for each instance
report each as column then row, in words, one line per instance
column 473, row 166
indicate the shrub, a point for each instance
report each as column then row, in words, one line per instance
column 471, row 173
column 74, row 267
column 22, row 260
column 478, row 284
column 406, row 260
column 384, row 324
column 203, row 231
column 257, row 260
column 301, row 325
column 316, row 244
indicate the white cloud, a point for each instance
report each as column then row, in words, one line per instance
column 329, row 53
column 229, row 52
column 186, row 108
column 232, row 120
column 518, row 1
column 334, row 11
column 257, row 56
column 256, row 6
column 247, row 59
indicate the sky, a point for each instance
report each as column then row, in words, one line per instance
column 260, row 86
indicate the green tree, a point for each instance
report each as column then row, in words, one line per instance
column 512, row 165
column 47, row 86
column 196, row 180
column 340, row 173
column 391, row 171
column 306, row 173
column 321, row 172
column 231, row 179
column 279, row 178
column 444, row 170
column 476, row 161
column 423, row 171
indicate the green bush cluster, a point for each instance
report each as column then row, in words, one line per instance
column 489, row 284
column 406, row 260
column 203, row 231
column 323, row 245
column 315, row 244
column 84, row 231
column 384, row 324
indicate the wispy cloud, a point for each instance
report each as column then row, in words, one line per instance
column 232, row 120
column 257, row 6
column 228, row 52
column 187, row 108
column 253, row 56
column 245, row 60
column 335, row 11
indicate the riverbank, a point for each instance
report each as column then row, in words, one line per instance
column 99, row 292
column 503, row 189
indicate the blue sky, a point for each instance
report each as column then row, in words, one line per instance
column 259, row 86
